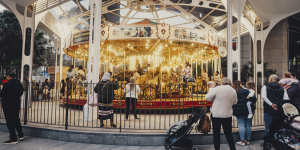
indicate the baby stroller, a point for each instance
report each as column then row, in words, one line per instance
column 287, row 137
column 177, row 134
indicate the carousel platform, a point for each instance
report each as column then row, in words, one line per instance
column 158, row 104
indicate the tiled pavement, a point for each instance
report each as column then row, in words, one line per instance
column 32, row 143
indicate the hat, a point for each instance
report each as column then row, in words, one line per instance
column 12, row 75
column 106, row 76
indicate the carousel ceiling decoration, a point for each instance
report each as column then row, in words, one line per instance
column 146, row 40
column 199, row 14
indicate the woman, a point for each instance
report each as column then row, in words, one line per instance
column 222, row 97
column 240, row 110
column 105, row 90
column 131, row 90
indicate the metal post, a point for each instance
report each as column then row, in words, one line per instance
column 67, row 106
column 229, row 39
column 26, row 102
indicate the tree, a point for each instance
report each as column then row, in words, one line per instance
column 10, row 42
column 41, row 48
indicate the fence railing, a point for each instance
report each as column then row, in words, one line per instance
column 77, row 105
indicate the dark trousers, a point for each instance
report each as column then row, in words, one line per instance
column 13, row 121
column 227, row 127
column 132, row 102
column 273, row 123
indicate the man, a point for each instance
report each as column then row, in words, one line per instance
column 222, row 97
column 11, row 103
column 272, row 95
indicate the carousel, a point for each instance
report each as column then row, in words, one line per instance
column 170, row 64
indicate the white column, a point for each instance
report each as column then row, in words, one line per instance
column 94, row 53
column 238, row 49
column 255, row 57
column 91, row 41
column 262, row 54
column 97, row 40
column 27, row 59
column 229, row 39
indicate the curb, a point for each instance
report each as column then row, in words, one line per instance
column 114, row 138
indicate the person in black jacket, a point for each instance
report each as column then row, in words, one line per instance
column 272, row 94
column 11, row 103
column 240, row 110
column 105, row 91
column 293, row 92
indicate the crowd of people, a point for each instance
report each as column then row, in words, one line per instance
column 229, row 99
column 239, row 100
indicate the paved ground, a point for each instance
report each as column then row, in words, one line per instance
column 31, row 143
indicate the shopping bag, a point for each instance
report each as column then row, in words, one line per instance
column 88, row 112
column 93, row 99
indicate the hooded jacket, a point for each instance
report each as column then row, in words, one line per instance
column 11, row 93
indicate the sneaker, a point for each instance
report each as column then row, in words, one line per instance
column 241, row 143
column 248, row 142
column 11, row 142
column 21, row 138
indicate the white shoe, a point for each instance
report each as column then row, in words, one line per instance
column 250, row 116
column 241, row 143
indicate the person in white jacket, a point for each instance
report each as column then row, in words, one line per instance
column 131, row 95
column 222, row 97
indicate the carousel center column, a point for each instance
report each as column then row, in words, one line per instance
column 94, row 55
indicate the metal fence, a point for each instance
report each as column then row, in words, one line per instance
column 77, row 105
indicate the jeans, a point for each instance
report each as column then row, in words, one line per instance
column 227, row 127
column 244, row 124
column 268, row 121
column 130, row 101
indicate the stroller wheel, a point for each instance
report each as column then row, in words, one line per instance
column 168, row 145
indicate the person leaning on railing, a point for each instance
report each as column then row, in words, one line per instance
column 105, row 91
column 131, row 93
column 222, row 97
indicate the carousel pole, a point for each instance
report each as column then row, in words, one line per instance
column 55, row 72
column 61, row 59
column 124, row 64
column 196, row 68
column 202, row 66
column 191, row 63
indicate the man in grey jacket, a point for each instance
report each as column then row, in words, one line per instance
column 222, row 97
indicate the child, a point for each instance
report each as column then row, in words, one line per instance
column 251, row 98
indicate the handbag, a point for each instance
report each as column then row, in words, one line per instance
column 93, row 99
column 204, row 125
